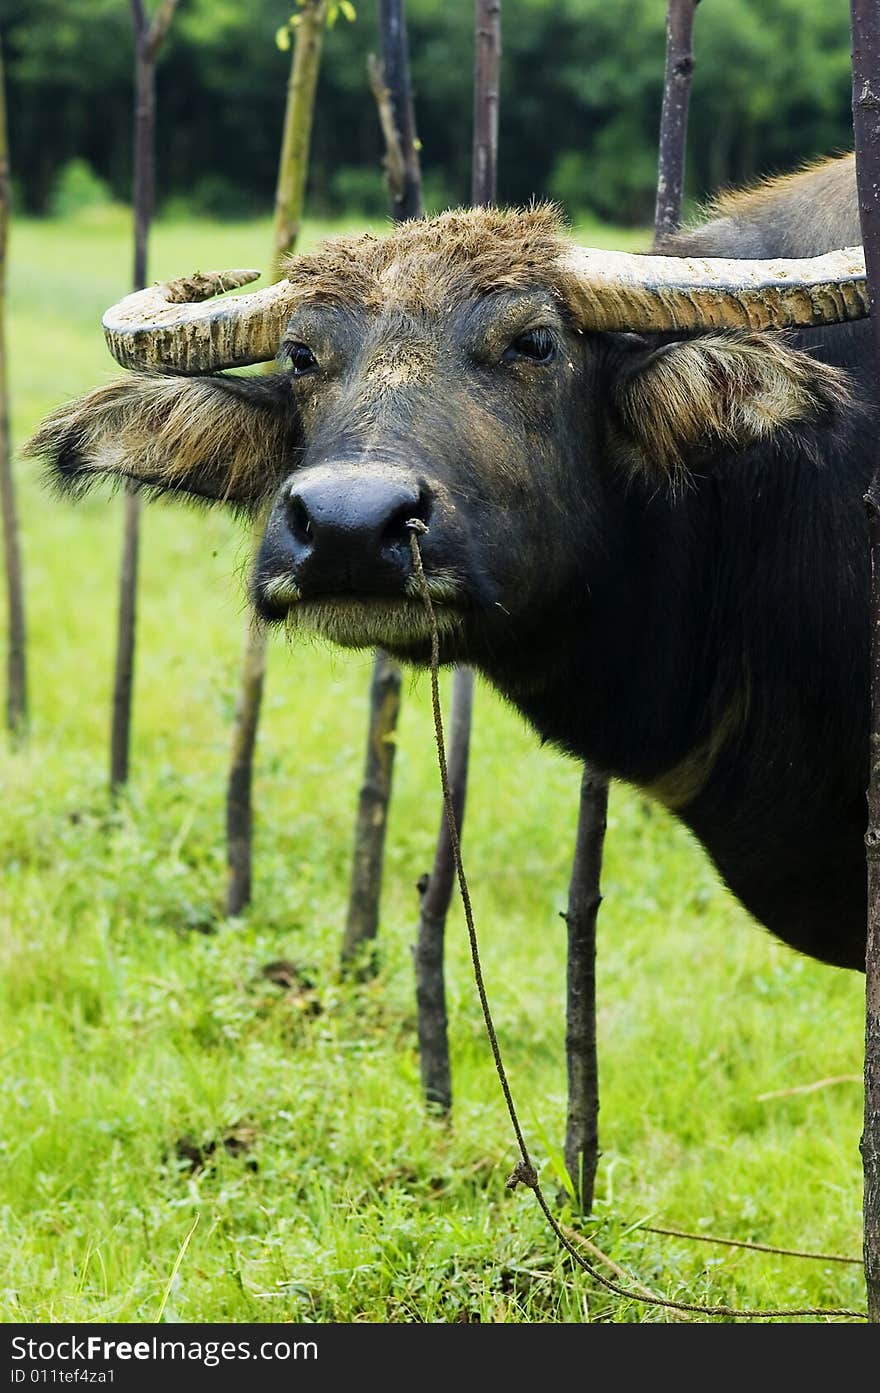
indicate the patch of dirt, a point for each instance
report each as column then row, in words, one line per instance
column 197, row 1155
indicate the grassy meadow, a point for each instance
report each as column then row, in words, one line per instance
column 185, row 1138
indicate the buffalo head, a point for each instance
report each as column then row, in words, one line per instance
column 477, row 373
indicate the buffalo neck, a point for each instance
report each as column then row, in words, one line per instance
column 729, row 619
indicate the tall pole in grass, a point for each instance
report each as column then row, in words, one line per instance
column 581, row 1056
column 389, row 82
column 308, row 30
column 584, row 894
column 16, row 666
column 148, row 38
column 865, row 29
column 437, row 888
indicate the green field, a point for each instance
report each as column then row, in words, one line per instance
column 155, row 1084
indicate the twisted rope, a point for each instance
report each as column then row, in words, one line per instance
column 524, row 1172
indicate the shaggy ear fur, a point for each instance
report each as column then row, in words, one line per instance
column 220, row 439
column 730, row 389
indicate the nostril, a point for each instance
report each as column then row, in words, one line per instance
column 300, row 521
column 397, row 528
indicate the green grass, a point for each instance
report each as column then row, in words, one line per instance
column 133, row 1040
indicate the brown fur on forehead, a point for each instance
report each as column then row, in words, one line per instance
column 428, row 263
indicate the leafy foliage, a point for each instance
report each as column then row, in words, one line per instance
column 334, row 9
column 580, row 96
column 77, row 188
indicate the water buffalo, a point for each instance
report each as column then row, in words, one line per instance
column 641, row 477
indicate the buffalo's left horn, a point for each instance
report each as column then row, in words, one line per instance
column 652, row 294
column 167, row 327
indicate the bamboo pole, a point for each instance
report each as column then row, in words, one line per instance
column 389, row 83
column 293, row 165
column 436, row 889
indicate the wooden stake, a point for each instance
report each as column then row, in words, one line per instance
column 865, row 28
column 674, row 116
column 436, row 892
column 362, row 923
column 438, row 888
column 584, row 899
column 584, row 895
column 293, row 165
column 16, row 664
column 389, row 83
column 148, row 38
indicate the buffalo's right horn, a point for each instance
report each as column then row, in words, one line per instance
column 651, row 294
column 168, row 328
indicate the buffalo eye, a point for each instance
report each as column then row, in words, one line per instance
column 538, row 345
column 301, row 358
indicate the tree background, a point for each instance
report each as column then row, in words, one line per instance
column 579, row 124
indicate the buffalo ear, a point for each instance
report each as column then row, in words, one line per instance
column 219, row 439
column 729, row 390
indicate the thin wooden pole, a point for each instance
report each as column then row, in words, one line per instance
column 487, row 72
column 148, row 38
column 584, row 894
column 581, row 1055
column 674, row 116
column 16, row 653
column 293, row 164
column 437, row 888
column 865, row 29
column 406, row 190
column 389, row 83
column 362, row 921
column 290, row 189
column 239, row 782
column 436, row 893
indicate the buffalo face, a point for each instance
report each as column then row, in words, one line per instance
column 463, row 422
column 443, row 380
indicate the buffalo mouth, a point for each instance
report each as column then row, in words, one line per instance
column 361, row 620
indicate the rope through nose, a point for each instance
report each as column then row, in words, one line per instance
column 524, row 1172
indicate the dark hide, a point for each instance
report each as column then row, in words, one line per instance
column 656, row 550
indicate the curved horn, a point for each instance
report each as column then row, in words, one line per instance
column 166, row 327
column 651, row 294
